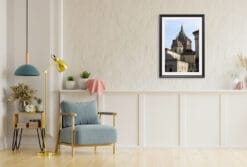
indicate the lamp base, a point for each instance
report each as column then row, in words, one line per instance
column 46, row 154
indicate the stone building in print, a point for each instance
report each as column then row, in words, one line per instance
column 180, row 57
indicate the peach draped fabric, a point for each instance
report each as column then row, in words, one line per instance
column 96, row 86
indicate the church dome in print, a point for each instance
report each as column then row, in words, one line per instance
column 182, row 37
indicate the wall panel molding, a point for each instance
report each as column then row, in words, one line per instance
column 214, row 118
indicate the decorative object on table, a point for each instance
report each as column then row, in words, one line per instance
column 61, row 66
column 239, row 85
column 70, row 82
column 26, row 69
column 96, row 86
column 83, row 79
column 34, row 123
column 238, row 80
column 39, row 106
column 23, row 94
column 30, row 108
column 181, row 46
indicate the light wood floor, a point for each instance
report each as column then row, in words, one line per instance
column 136, row 157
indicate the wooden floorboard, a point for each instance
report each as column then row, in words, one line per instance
column 131, row 157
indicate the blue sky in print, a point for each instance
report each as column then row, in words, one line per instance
column 173, row 26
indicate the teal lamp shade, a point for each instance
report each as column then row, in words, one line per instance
column 26, row 70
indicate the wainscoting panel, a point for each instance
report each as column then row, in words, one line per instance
column 235, row 109
column 126, row 106
column 161, row 120
column 203, row 120
column 174, row 118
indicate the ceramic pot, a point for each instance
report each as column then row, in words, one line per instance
column 70, row 84
column 83, row 83
column 40, row 108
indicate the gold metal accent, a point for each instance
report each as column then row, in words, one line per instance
column 60, row 66
column 46, row 154
column 113, row 148
column 27, row 58
column 73, row 135
column 15, row 119
column 85, row 145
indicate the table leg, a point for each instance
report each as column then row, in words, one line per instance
column 16, row 139
column 40, row 135
column 19, row 142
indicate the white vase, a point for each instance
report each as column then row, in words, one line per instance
column 40, row 108
column 70, row 84
column 83, row 83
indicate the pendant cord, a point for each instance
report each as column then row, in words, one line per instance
column 26, row 26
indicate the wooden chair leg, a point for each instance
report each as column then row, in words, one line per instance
column 73, row 143
column 73, row 151
column 57, row 150
column 57, row 143
column 114, row 148
column 95, row 149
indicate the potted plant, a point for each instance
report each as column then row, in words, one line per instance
column 39, row 106
column 70, row 82
column 83, row 79
column 23, row 94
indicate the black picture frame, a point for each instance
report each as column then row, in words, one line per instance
column 179, row 55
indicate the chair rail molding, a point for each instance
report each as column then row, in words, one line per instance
column 175, row 118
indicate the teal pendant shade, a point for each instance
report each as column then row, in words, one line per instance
column 26, row 70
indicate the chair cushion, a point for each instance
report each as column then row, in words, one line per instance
column 90, row 134
column 86, row 112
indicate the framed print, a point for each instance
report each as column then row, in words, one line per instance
column 182, row 46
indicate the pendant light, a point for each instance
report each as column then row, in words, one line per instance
column 26, row 69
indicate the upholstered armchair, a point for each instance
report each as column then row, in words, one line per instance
column 80, row 126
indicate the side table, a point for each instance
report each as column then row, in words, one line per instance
column 38, row 124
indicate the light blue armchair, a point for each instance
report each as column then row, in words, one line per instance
column 80, row 126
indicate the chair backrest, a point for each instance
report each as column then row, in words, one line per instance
column 78, row 97
column 86, row 112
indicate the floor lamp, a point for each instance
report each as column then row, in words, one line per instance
column 61, row 66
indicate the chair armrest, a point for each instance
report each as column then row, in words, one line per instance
column 72, row 115
column 68, row 114
column 113, row 114
column 107, row 113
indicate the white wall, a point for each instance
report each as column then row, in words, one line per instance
column 118, row 41
column 3, row 72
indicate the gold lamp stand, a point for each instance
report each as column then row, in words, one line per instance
column 61, row 66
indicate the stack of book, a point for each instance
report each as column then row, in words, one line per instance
column 22, row 124
column 34, row 123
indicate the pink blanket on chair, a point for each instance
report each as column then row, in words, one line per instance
column 96, row 86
